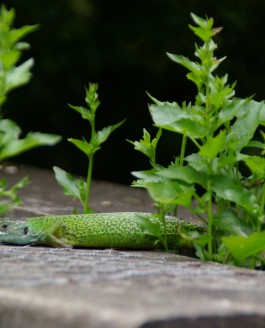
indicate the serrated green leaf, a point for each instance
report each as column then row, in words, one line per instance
column 156, row 101
column 242, row 131
column 249, row 105
column 197, row 162
column 173, row 118
column 184, row 173
column 232, row 108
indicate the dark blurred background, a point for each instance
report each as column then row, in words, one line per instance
column 121, row 45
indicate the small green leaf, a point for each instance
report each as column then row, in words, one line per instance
column 10, row 196
column 84, row 146
column 19, row 75
column 229, row 223
column 184, row 61
column 164, row 192
column 205, row 30
column 85, row 113
column 17, row 34
column 256, row 165
column 232, row 190
column 71, row 186
column 148, row 176
column 102, row 135
column 32, row 140
column 149, row 227
column 92, row 97
column 262, row 115
column 213, row 146
column 146, row 145
column 243, row 247
column 205, row 23
column 185, row 198
column 9, row 131
column 202, row 33
column 7, row 16
column 9, row 59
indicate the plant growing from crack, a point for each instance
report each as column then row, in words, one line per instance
column 77, row 187
column 223, row 129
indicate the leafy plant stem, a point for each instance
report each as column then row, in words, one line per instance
column 183, row 149
column 195, row 142
column 90, row 165
column 88, row 184
column 79, row 188
column 207, row 77
column 262, row 207
column 210, row 221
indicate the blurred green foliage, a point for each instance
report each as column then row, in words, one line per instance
column 121, row 45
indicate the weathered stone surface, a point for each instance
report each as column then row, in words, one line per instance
column 44, row 287
column 44, row 196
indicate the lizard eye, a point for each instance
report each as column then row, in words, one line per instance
column 4, row 226
column 25, row 230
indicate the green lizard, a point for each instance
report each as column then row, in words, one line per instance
column 100, row 230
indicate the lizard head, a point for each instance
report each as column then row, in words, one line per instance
column 17, row 232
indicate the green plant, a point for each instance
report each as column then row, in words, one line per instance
column 13, row 75
column 78, row 188
column 231, row 179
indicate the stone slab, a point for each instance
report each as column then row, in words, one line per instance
column 81, row 288
column 42, row 287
